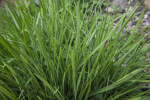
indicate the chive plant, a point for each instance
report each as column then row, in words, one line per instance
column 58, row 50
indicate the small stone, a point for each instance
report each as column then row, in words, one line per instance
column 146, row 16
column 110, row 9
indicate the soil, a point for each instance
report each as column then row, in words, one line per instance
column 122, row 5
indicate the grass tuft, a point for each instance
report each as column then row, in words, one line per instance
column 65, row 50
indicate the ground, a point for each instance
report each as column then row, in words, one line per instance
column 120, row 6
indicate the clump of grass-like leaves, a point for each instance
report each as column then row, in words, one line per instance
column 59, row 50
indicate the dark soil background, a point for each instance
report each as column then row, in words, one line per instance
column 120, row 6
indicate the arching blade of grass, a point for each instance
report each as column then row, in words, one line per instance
column 114, row 85
column 10, row 95
column 55, row 92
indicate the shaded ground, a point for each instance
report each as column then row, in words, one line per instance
column 120, row 6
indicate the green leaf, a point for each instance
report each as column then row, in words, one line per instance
column 7, row 93
column 118, row 82
column 59, row 96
